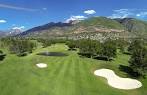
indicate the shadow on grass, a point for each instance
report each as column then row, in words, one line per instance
column 88, row 55
column 2, row 57
column 52, row 54
column 72, row 49
column 84, row 55
column 127, row 53
column 103, row 58
column 129, row 71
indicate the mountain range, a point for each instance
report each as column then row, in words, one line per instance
column 99, row 25
column 11, row 32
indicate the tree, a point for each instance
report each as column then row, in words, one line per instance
column 95, row 49
column 18, row 46
column 21, row 47
column 109, row 49
column 138, row 60
column 71, row 44
column 121, row 45
column 46, row 43
column 89, row 48
column 133, row 45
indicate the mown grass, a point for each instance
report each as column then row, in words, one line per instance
column 70, row 75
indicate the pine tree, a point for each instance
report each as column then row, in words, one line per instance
column 138, row 60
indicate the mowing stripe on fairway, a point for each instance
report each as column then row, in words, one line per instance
column 61, row 80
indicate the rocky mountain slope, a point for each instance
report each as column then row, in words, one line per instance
column 11, row 32
column 135, row 26
column 100, row 25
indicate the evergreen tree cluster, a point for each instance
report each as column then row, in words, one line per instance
column 138, row 60
column 94, row 49
column 20, row 47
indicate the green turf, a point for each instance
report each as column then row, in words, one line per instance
column 70, row 75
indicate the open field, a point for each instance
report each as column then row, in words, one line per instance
column 69, row 75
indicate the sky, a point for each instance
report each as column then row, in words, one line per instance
column 25, row 14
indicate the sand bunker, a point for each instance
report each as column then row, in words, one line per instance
column 118, row 82
column 41, row 65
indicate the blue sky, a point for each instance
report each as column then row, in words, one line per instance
column 25, row 14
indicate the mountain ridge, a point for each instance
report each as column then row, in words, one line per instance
column 93, row 24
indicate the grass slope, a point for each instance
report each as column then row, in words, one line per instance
column 69, row 75
column 101, row 22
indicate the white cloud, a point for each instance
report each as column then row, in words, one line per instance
column 2, row 21
column 13, row 24
column 121, row 10
column 90, row 12
column 16, row 7
column 138, row 15
column 121, row 13
column 118, row 16
column 18, row 28
column 141, row 14
column 73, row 18
column 44, row 9
column 124, row 13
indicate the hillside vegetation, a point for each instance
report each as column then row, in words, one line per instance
column 101, row 22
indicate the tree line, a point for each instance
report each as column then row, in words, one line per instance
column 20, row 47
column 95, row 49
column 49, row 42
column 107, row 50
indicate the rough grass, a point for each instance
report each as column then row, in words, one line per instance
column 70, row 75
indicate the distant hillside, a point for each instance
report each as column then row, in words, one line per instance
column 48, row 26
column 3, row 34
column 47, row 30
column 11, row 32
column 135, row 26
column 130, row 26
column 101, row 22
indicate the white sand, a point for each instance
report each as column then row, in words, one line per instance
column 41, row 65
column 118, row 82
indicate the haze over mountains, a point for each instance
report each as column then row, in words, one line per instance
column 11, row 32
